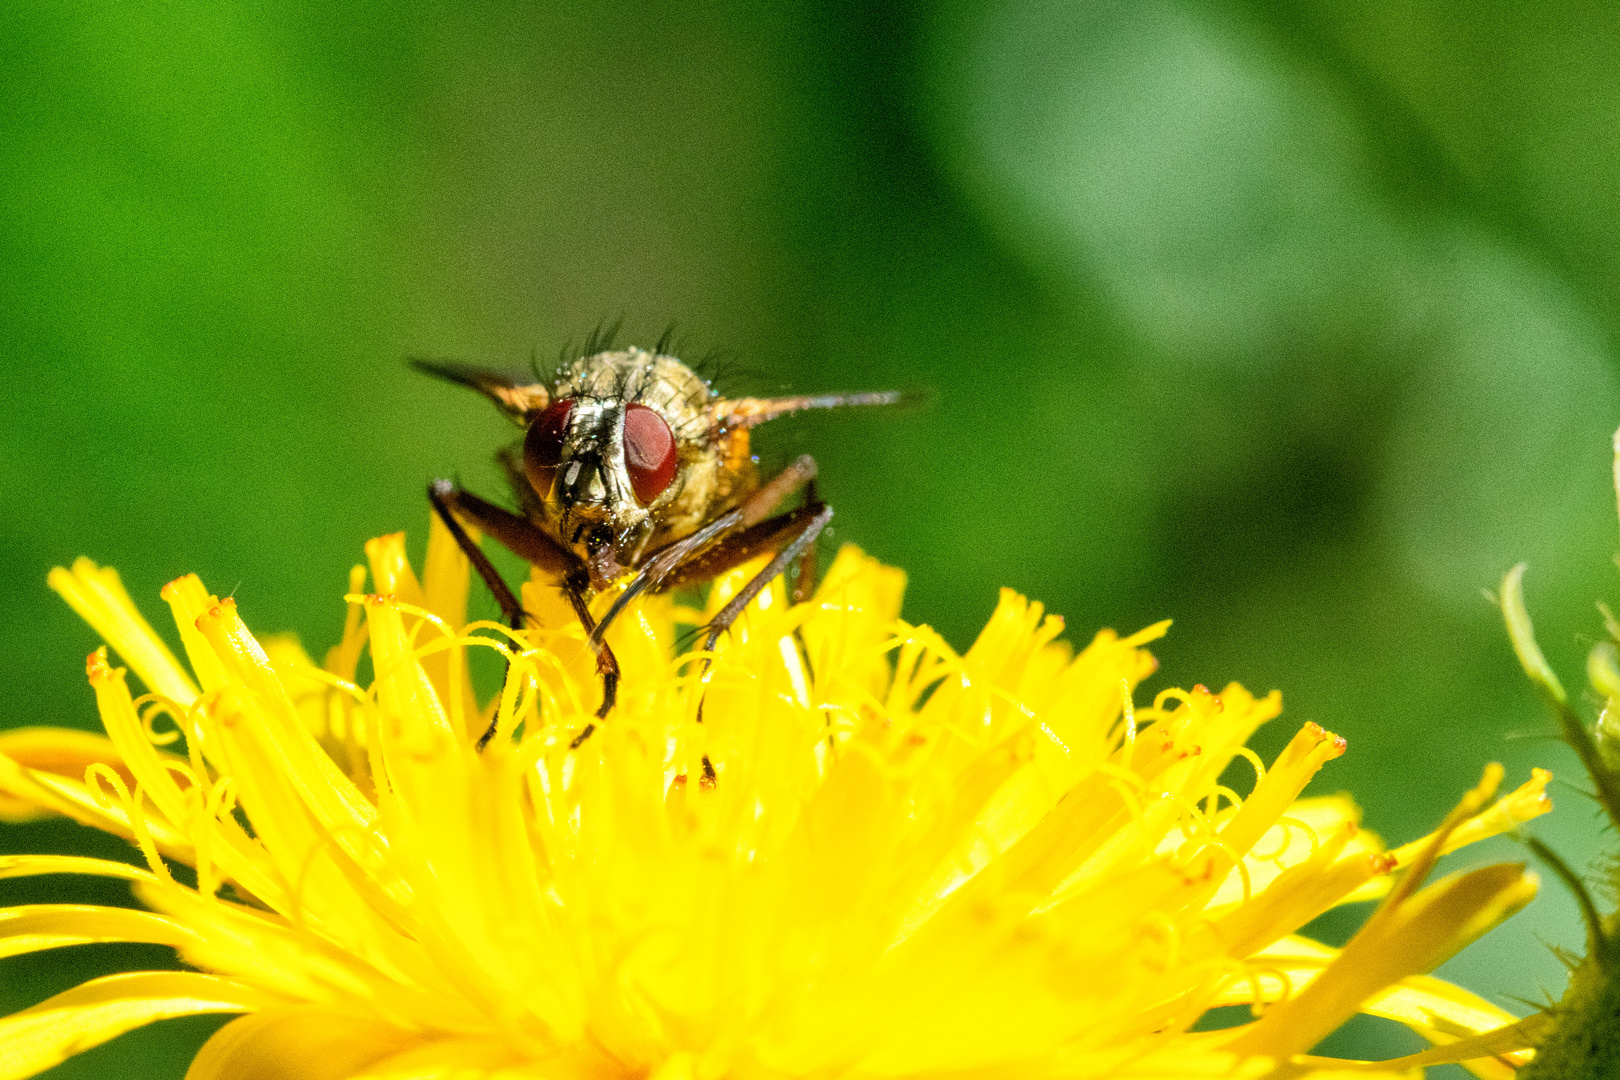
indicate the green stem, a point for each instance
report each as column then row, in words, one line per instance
column 1597, row 939
column 1604, row 779
column 1584, row 1043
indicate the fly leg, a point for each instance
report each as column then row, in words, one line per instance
column 733, row 538
column 729, row 540
column 790, row 535
column 804, row 582
column 442, row 494
column 607, row 665
column 528, row 543
column 804, row 587
column 751, row 534
column 798, row 528
column 807, row 522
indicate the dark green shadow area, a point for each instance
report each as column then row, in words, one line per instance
column 159, row 1051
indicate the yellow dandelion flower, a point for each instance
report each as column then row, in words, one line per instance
column 869, row 856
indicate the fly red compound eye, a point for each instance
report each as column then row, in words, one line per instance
column 542, row 446
column 649, row 452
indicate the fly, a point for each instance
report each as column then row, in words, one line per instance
column 633, row 470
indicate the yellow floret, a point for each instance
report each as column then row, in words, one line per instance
column 841, row 849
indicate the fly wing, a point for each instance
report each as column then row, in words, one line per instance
column 519, row 397
column 734, row 413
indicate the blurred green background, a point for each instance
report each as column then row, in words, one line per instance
column 1293, row 321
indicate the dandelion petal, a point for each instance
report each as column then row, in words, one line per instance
column 298, row 1043
column 90, row 1014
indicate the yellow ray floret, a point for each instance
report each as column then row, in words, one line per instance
column 834, row 848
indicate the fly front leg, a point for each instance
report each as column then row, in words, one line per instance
column 607, row 665
column 790, row 535
column 803, row 526
column 444, row 496
column 804, row 581
column 535, row 547
column 674, row 563
column 735, row 537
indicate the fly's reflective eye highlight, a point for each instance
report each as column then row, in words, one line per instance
column 649, row 452
column 542, row 446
